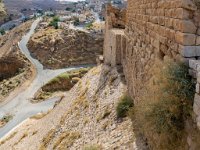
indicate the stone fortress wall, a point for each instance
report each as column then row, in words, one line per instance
column 158, row 29
column 155, row 30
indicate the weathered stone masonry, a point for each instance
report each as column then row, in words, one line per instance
column 113, row 43
column 158, row 29
column 155, row 30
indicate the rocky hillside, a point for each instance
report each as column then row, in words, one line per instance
column 15, row 69
column 14, row 6
column 58, row 48
column 2, row 11
column 85, row 119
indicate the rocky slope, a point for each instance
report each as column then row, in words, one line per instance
column 2, row 11
column 14, row 7
column 61, row 48
column 84, row 119
column 15, row 69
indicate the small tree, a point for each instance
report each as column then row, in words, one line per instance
column 123, row 106
column 2, row 31
column 76, row 21
column 54, row 22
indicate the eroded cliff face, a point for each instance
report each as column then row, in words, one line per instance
column 2, row 11
column 9, row 67
column 58, row 48
column 15, row 69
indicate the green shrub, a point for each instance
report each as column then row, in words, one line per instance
column 161, row 113
column 89, row 25
column 76, row 21
column 123, row 106
column 2, row 31
column 180, row 82
column 54, row 22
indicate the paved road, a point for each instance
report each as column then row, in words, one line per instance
column 20, row 106
column 8, row 25
column 83, row 27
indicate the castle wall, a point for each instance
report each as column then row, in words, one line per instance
column 115, row 25
column 157, row 30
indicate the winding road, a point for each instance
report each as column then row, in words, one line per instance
column 20, row 106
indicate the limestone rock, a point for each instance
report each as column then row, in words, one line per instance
column 185, row 38
column 188, row 4
column 198, row 40
column 188, row 27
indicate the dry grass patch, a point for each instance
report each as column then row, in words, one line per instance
column 95, row 71
column 8, row 138
column 23, row 136
column 47, row 139
column 105, row 125
column 66, row 139
column 85, row 120
column 34, row 132
column 40, row 115
column 103, row 115
column 79, row 103
column 161, row 113
column 124, row 105
column 92, row 147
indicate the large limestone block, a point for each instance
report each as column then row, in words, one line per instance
column 197, row 88
column 188, row 27
column 198, row 31
column 193, row 73
column 198, row 40
column 197, row 50
column 198, row 74
column 196, row 109
column 181, row 13
column 115, row 47
column 194, row 64
column 188, row 4
column 177, row 24
column 198, row 122
column 161, row 21
column 169, row 22
column 196, row 106
column 185, row 38
column 189, row 51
